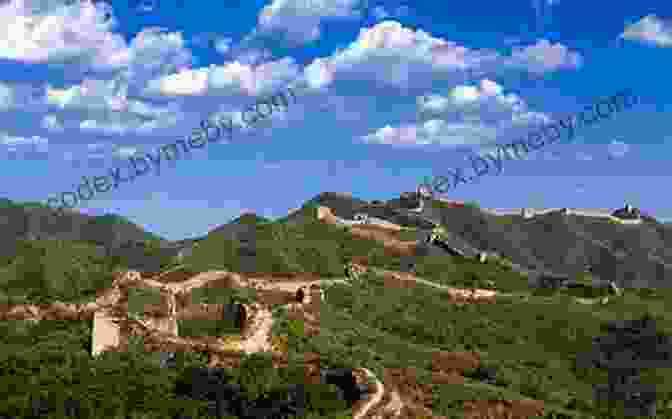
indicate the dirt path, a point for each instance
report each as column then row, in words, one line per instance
column 386, row 235
column 457, row 293
column 257, row 336
column 374, row 398
column 395, row 404
column 259, row 340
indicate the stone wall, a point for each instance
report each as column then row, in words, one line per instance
column 105, row 333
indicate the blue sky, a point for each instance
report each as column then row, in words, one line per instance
column 85, row 84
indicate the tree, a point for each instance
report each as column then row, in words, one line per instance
column 257, row 375
column 30, row 270
column 628, row 348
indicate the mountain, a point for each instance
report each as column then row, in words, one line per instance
column 109, row 234
column 444, row 333
column 33, row 220
column 632, row 255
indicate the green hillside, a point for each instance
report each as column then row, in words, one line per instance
column 532, row 341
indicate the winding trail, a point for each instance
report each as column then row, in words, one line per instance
column 257, row 335
column 374, row 398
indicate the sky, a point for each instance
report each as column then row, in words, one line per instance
column 85, row 85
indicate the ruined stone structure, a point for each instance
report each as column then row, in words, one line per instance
column 110, row 319
column 106, row 332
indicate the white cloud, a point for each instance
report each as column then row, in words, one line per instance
column 34, row 146
column 300, row 20
column 543, row 57
column 93, row 127
column 617, row 149
column 231, row 78
column 156, row 53
column 651, row 30
column 61, row 34
column 393, row 55
column 319, row 73
column 252, row 56
column 223, row 45
column 9, row 140
column 108, row 108
column 7, row 96
column 186, row 83
column 467, row 115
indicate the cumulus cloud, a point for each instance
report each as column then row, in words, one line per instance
column 228, row 79
column 223, row 45
column 107, row 107
column 543, row 56
column 12, row 141
column 467, row 115
column 34, row 147
column 252, row 56
column 299, row 20
column 92, row 127
column 156, row 53
column 319, row 73
column 8, row 96
column 62, row 33
column 393, row 55
column 650, row 30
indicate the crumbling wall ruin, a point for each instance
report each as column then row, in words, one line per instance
column 111, row 317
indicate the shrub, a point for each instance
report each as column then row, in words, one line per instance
column 296, row 328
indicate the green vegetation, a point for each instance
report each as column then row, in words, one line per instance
column 48, row 270
column 201, row 328
column 472, row 204
column 507, row 219
column 408, row 234
column 140, row 297
column 219, row 327
column 312, row 246
column 39, row 358
column 466, row 273
column 211, row 295
column 533, row 344
column 532, row 341
column 250, row 219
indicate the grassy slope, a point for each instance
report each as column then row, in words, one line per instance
column 532, row 343
column 43, row 271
